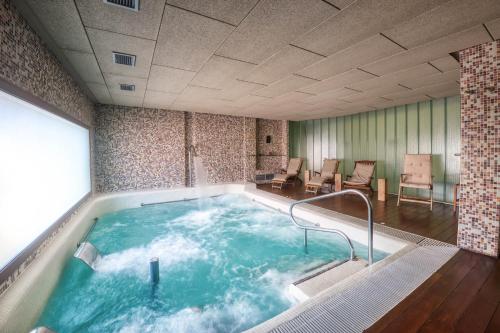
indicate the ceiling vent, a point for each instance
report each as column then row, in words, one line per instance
column 123, row 59
column 128, row 4
column 127, row 87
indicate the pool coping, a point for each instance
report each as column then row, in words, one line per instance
column 23, row 301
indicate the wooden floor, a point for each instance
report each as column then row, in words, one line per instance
column 440, row 223
column 462, row 296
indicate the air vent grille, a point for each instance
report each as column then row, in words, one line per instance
column 127, row 87
column 129, row 4
column 123, row 59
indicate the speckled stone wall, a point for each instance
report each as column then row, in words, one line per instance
column 479, row 219
column 138, row 148
column 27, row 63
column 225, row 145
column 271, row 157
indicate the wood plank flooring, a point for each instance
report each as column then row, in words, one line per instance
column 462, row 296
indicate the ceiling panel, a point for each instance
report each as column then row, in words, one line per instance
column 408, row 74
column 430, row 51
column 237, row 89
column 187, row 40
column 359, row 21
column 290, row 83
column 494, row 28
column 230, row 11
column 426, row 80
column 195, row 94
column 330, row 95
column 127, row 100
column 86, row 66
column 158, row 99
column 293, row 96
column 113, row 82
column 450, row 17
column 281, row 64
column 100, row 92
column 143, row 23
column 220, row 72
column 271, row 25
column 168, row 79
column 445, row 63
column 362, row 53
column 338, row 81
column 61, row 20
column 275, row 58
column 105, row 42
column 340, row 3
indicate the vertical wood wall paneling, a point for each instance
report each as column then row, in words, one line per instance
column 386, row 136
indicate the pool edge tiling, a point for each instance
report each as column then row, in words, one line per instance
column 18, row 301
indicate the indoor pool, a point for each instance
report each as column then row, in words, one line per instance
column 225, row 266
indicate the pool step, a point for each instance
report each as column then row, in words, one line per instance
column 324, row 277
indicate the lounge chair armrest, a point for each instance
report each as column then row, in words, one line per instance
column 317, row 173
column 283, row 171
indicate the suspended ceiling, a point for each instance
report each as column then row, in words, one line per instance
column 277, row 59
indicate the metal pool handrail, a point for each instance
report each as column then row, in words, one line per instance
column 336, row 231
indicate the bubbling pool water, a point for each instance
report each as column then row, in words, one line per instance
column 225, row 266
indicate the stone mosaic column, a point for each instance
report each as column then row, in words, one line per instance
column 479, row 217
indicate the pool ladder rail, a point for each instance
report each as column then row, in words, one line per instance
column 317, row 227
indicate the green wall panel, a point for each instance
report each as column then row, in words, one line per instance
column 325, row 139
column 386, row 136
column 439, row 147
column 340, row 144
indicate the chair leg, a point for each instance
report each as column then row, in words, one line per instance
column 399, row 194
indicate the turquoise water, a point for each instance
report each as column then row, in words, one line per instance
column 225, row 265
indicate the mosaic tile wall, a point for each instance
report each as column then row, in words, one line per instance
column 225, row 145
column 28, row 64
column 479, row 219
column 138, row 148
column 271, row 157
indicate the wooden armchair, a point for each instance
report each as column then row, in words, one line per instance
column 416, row 174
column 289, row 175
column 326, row 176
column 362, row 176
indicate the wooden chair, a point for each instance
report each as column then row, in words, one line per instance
column 326, row 176
column 362, row 176
column 416, row 174
column 288, row 176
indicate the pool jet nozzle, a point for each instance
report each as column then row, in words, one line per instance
column 154, row 270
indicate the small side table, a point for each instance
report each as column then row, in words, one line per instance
column 307, row 176
column 338, row 182
column 382, row 189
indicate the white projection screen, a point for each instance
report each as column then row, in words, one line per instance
column 44, row 172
